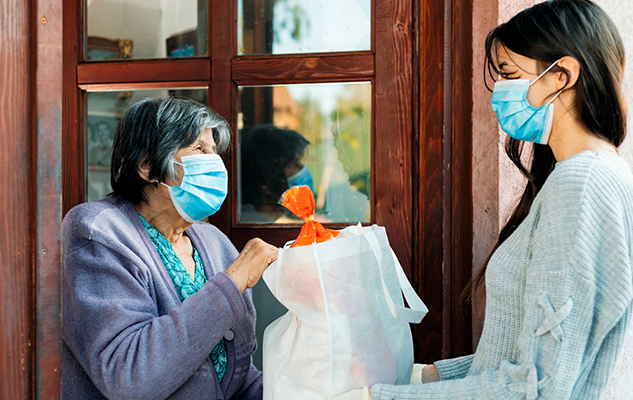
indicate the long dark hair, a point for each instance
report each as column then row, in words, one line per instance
column 266, row 151
column 547, row 32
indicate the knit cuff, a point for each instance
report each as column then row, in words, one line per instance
column 454, row 368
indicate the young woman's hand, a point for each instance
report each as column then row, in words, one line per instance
column 424, row 373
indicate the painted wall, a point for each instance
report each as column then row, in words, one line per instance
column 497, row 185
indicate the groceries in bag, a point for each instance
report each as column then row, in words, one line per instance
column 347, row 326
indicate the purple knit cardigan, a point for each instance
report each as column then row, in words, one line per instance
column 127, row 335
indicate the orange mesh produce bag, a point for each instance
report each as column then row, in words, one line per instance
column 300, row 201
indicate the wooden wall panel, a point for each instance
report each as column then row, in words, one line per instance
column 427, row 273
column 47, row 187
column 459, row 169
column 16, row 245
column 393, row 125
column 443, row 229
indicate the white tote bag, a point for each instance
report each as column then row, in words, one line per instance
column 347, row 326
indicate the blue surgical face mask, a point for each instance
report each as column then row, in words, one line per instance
column 517, row 117
column 203, row 187
column 303, row 177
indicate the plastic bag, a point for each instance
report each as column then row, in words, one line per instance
column 346, row 326
column 300, row 201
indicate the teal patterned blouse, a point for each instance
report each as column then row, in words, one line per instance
column 185, row 286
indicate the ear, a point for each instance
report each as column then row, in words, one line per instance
column 143, row 170
column 572, row 66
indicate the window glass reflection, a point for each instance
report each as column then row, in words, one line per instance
column 103, row 112
column 139, row 29
column 317, row 135
column 303, row 26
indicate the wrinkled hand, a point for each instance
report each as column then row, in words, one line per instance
column 249, row 266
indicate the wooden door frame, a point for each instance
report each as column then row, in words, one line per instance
column 442, row 210
column 443, row 202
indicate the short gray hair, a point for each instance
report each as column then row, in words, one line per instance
column 152, row 131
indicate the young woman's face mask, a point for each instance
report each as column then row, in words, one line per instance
column 517, row 117
column 303, row 177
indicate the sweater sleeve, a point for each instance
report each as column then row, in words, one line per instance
column 577, row 293
column 454, row 368
column 253, row 385
column 112, row 326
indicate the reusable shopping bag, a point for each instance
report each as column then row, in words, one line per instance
column 347, row 326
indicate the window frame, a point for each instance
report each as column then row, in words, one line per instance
column 420, row 128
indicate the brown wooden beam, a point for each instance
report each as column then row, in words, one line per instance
column 143, row 71
column 16, row 219
column 72, row 117
column 103, row 87
column 317, row 68
column 47, row 188
column 429, row 229
column 458, row 168
column 223, row 95
column 393, row 138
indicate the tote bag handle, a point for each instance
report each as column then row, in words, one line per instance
column 418, row 310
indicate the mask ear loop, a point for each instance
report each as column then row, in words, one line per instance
column 544, row 72
column 555, row 96
column 175, row 162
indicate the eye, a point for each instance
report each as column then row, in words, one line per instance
column 507, row 75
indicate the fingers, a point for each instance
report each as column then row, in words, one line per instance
column 249, row 266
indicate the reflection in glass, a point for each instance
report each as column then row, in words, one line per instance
column 119, row 29
column 303, row 26
column 103, row 112
column 317, row 135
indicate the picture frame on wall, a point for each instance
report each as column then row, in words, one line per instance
column 99, row 139
column 100, row 48
column 182, row 44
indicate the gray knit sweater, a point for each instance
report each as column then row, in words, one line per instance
column 558, row 295
column 127, row 335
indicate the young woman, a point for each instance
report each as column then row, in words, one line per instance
column 558, row 287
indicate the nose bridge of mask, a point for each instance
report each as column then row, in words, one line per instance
column 202, row 164
column 511, row 90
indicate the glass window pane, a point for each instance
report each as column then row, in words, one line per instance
column 142, row 29
column 103, row 111
column 303, row 26
column 319, row 135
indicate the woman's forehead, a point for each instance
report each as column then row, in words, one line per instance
column 206, row 138
column 506, row 58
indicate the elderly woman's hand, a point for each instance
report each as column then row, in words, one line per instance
column 249, row 266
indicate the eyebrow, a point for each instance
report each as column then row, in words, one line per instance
column 204, row 144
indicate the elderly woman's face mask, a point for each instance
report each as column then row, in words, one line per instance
column 203, row 187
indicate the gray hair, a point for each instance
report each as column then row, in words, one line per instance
column 203, row 118
column 152, row 131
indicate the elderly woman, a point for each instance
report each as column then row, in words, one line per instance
column 155, row 304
